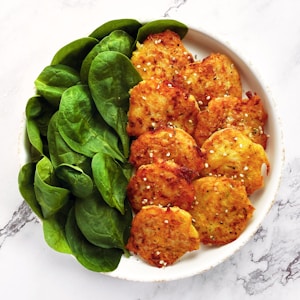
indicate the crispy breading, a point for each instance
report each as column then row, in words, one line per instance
column 161, row 55
column 161, row 235
column 167, row 143
column 221, row 209
column 214, row 76
column 164, row 184
column 230, row 153
column 246, row 115
column 155, row 103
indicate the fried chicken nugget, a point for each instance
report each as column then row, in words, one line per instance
column 164, row 184
column 221, row 209
column 161, row 235
column 167, row 143
column 230, row 153
column 155, row 103
column 246, row 115
column 214, row 76
column 161, row 55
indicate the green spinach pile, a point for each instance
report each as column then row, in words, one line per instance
column 76, row 178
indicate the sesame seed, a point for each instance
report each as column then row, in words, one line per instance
column 151, row 154
column 224, row 154
column 206, row 165
column 246, row 168
column 144, row 201
column 166, row 221
column 241, row 145
column 168, row 154
column 211, row 151
column 148, row 187
column 162, row 262
column 144, row 178
column 242, row 175
column 170, row 85
column 157, row 252
column 226, row 211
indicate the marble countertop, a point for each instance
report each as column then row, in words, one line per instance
column 265, row 32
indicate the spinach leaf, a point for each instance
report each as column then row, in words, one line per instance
column 82, row 127
column 50, row 197
column 54, row 80
column 158, row 26
column 90, row 256
column 74, row 53
column 110, row 180
column 101, row 224
column 35, row 139
column 61, row 153
column 74, row 179
column 26, row 187
column 38, row 114
column 131, row 26
column 111, row 77
column 41, row 112
column 117, row 40
column 54, row 233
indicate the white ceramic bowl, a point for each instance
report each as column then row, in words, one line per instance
column 201, row 45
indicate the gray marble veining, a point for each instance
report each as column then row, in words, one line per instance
column 19, row 219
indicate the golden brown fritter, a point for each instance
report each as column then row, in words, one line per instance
column 164, row 184
column 246, row 115
column 161, row 55
column 161, row 235
column 214, row 76
column 221, row 209
column 232, row 154
column 155, row 103
column 167, row 144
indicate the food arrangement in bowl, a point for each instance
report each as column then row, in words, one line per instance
column 146, row 153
